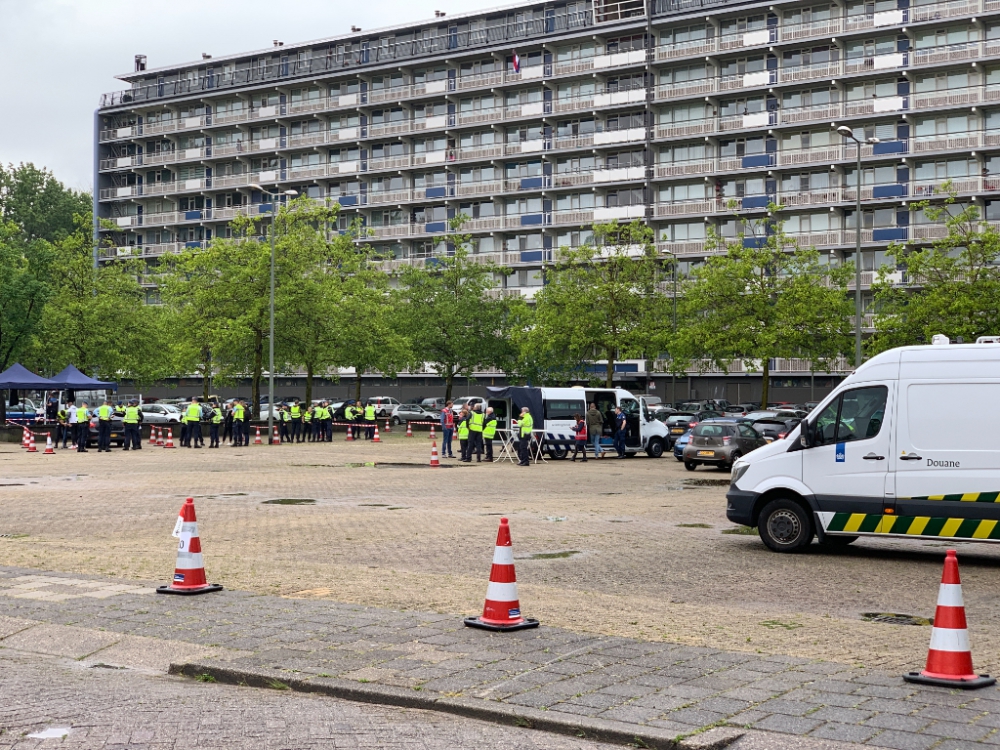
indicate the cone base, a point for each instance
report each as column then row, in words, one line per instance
column 477, row 622
column 980, row 681
column 206, row 589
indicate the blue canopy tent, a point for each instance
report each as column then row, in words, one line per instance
column 19, row 378
column 71, row 379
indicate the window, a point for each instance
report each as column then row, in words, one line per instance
column 856, row 415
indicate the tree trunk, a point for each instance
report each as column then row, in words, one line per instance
column 309, row 384
column 609, row 372
column 4, row 395
column 206, row 373
column 357, row 385
column 258, row 367
column 765, row 382
column 449, row 380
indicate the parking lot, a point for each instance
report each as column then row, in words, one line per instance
column 636, row 547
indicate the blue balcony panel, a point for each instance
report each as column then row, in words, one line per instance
column 348, row 200
column 889, row 235
column 435, row 227
column 532, row 183
column 757, row 160
column 888, row 191
column 437, row 192
column 889, row 147
column 756, row 201
column 532, row 220
column 532, row 256
column 192, row 215
column 750, row 242
column 263, row 208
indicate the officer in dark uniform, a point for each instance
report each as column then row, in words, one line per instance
column 213, row 426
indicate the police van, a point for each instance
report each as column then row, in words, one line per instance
column 552, row 410
column 907, row 446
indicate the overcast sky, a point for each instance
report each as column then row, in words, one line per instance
column 59, row 56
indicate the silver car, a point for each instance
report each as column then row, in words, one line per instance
column 160, row 414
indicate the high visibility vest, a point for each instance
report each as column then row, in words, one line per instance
column 476, row 421
column 238, row 413
column 349, row 413
column 104, row 413
column 370, row 413
column 131, row 415
column 216, row 415
column 308, row 415
column 463, row 429
column 490, row 428
column 526, row 424
column 285, row 416
column 296, row 411
column 61, row 415
column 193, row 413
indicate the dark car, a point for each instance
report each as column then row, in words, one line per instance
column 680, row 444
column 775, row 429
column 720, row 442
column 117, row 432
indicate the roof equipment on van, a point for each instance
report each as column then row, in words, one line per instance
column 939, row 339
column 988, row 340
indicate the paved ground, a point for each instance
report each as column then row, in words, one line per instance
column 629, row 548
column 601, row 687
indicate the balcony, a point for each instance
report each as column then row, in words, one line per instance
column 794, row 74
column 698, row 87
column 814, row 113
column 572, row 179
column 698, row 207
column 574, row 142
column 469, row 189
column 681, row 249
column 478, row 153
column 480, row 80
column 824, row 155
column 681, row 168
column 824, row 197
column 573, row 216
column 692, row 48
column 823, row 29
column 567, row 104
column 379, row 163
column 951, row 142
column 391, row 197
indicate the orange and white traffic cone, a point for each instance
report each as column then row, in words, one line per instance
column 189, row 572
column 31, row 443
column 257, row 440
column 350, row 434
column 49, row 448
column 434, row 455
column 502, row 610
column 387, row 427
column 152, row 437
column 432, row 436
column 949, row 658
column 376, row 438
column 170, row 439
column 409, row 430
column 24, row 437
column 160, row 441
column 276, row 439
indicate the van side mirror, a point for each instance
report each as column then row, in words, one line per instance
column 806, row 434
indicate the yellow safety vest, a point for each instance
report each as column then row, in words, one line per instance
column 526, row 424
column 490, row 429
column 238, row 412
column 476, row 421
column 132, row 415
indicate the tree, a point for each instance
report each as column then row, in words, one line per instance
column 38, row 204
column 763, row 297
column 447, row 310
column 954, row 285
column 600, row 301
column 25, row 267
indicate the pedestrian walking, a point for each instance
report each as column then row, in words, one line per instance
column 447, row 430
column 580, row 443
column 621, row 426
column 295, row 414
column 489, row 432
column 370, row 422
column 105, row 412
column 462, row 426
column 240, row 435
column 476, row 421
column 132, row 420
column 82, row 435
column 595, row 429
column 524, row 427
column 213, row 426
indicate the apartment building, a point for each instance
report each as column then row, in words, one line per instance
column 537, row 120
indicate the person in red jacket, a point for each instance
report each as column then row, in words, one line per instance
column 580, row 428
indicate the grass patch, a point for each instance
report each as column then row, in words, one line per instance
column 694, row 525
column 776, row 624
column 554, row 555
column 277, row 685
column 741, row 530
column 205, row 678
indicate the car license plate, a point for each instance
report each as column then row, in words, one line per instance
column 706, row 453
column 677, row 431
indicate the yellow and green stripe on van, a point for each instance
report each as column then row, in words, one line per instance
column 929, row 526
column 968, row 497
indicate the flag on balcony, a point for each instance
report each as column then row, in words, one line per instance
column 517, row 62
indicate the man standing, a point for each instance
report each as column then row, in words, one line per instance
column 462, row 425
column 240, row 436
column 621, row 425
column 227, row 424
column 370, row 422
column 193, row 423
column 285, row 418
column 295, row 413
column 489, row 432
column 62, row 416
column 133, row 438
column 476, row 420
column 307, row 422
column 104, row 414
column 213, row 429
column 524, row 428
column 595, row 428
column 327, row 427
column 81, row 426
column 447, row 430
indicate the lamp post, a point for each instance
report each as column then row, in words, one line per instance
column 270, row 330
column 847, row 132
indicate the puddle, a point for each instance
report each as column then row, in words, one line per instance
column 289, row 501
column 52, row 733
column 617, row 520
column 893, row 618
column 399, row 507
column 12, row 484
column 233, row 494
column 553, row 555
column 373, row 505
column 556, row 519
column 13, row 536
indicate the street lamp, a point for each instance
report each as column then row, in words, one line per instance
column 270, row 334
column 847, row 132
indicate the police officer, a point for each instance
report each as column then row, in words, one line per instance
column 240, row 436
column 476, row 421
column 132, row 418
column 462, row 428
column 62, row 417
column 370, row 422
column 193, row 417
column 82, row 435
column 349, row 412
column 295, row 414
column 524, row 428
column 327, row 426
column 213, row 429
column 489, row 432
column 307, row 417
column 105, row 412
column 286, row 420
column 227, row 424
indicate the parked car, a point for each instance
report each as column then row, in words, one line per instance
column 434, row 403
column 677, row 424
column 775, row 429
column 703, row 415
column 469, row 401
column 25, row 411
column 720, row 442
column 680, row 444
column 414, row 413
column 810, row 405
column 384, row 405
column 117, row 432
column 160, row 413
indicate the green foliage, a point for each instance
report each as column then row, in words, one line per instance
column 24, row 289
column 600, row 301
column 953, row 286
column 755, row 303
column 38, row 204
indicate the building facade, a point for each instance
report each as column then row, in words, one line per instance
column 539, row 120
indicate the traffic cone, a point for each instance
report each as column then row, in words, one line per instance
column 170, row 439
column 350, row 434
column 949, row 658
column 276, row 439
column 376, row 438
column 434, row 455
column 432, row 436
column 409, row 430
column 49, row 448
column 502, row 610
column 160, row 442
column 387, row 427
column 257, row 440
column 152, row 437
column 31, row 442
column 189, row 572
column 24, row 437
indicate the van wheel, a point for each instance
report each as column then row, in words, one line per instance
column 654, row 449
column 690, row 465
column 558, row 452
column 785, row 526
column 836, row 540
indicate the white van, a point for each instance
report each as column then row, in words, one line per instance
column 906, row 446
column 553, row 408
